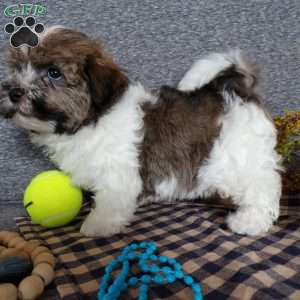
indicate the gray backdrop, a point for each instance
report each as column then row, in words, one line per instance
column 156, row 41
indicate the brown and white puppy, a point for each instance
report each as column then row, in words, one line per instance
column 124, row 143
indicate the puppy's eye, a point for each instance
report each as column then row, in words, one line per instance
column 54, row 73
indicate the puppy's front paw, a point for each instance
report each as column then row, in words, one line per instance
column 250, row 221
column 101, row 226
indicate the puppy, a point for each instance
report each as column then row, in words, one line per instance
column 126, row 143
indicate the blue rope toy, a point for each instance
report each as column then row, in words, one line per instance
column 144, row 254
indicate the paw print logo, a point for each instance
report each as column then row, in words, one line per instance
column 24, row 33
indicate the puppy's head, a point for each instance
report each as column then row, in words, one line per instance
column 61, row 85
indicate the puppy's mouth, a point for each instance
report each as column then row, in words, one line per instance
column 11, row 111
column 10, row 114
column 23, row 114
column 23, row 107
column 33, row 124
column 8, row 109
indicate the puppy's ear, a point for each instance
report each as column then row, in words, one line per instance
column 107, row 82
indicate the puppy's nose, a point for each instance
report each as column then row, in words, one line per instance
column 15, row 94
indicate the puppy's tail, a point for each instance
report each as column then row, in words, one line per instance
column 227, row 70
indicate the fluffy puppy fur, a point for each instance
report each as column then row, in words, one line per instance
column 125, row 143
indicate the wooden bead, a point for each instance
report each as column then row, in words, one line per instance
column 44, row 257
column 14, row 241
column 8, row 291
column 2, row 248
column 45, row 271
column 35, row 241
column 21, row 245
column 38, row 250
column 5, row 233
column 31, row 246
column 8, row 252
column 6, row 236
column 31, row 288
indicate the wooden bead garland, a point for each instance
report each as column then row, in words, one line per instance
column 31, row 287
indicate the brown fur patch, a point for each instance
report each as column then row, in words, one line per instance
column 179, row 133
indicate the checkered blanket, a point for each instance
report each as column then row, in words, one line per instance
column 227, row 265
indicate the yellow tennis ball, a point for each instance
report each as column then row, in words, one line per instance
column 51, row 200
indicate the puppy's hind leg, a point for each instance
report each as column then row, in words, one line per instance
column 256, row 182
column 258, row 206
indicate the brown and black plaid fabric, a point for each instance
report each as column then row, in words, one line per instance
column 227, row 265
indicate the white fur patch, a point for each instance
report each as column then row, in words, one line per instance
column 104, row 158
column 27, row 75
column 169, row 189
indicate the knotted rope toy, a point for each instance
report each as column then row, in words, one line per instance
column 154, row 270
